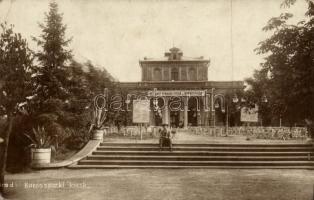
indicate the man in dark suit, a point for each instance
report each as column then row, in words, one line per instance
column 164, row 139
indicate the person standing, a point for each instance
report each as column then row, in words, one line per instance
column 164, row 139
column 310, row 128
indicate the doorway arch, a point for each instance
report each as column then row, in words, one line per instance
column 193, row 111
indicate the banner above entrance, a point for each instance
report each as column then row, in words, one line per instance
column 162, row 93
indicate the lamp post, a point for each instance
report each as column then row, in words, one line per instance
column 264, row 100
column 127, row 101
column 223, row 105
column 225, row 101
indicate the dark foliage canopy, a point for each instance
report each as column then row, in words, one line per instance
column 287, row 74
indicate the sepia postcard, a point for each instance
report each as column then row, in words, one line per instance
column 156, row 99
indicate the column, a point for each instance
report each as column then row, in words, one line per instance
column 202, row 117
column 207, row 109
column 197, row 68
column 165, row 117
column 212, row 109
column 207, row 118
column 185, row 112
column 198, row 112
column 151, row 117
column 179, row 77
column 198, row 117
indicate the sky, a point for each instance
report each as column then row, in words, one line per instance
column 116, row 34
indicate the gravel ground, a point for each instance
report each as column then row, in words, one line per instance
column 153, row 184
column 165, row 184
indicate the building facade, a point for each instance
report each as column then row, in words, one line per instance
column 179, row 91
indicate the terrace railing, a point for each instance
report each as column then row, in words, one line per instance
column 272, row 133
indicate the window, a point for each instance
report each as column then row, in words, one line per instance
column 174, row 74
column 157, row 74
column 183, row 74
column 192, row 74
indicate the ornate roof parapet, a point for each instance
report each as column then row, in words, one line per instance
column 174, row 54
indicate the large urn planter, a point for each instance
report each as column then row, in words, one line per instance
column 40, row 147
column 40, row 156
column 98, row 134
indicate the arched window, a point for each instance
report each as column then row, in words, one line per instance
column 157, row 74
column 174, row 74
column 192, row 74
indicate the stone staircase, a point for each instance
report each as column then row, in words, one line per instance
column 147, row 155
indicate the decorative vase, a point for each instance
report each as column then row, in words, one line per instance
column 98, row 134
column 40, row 156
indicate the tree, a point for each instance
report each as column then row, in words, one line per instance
column 290, row 64
column 62, row 90
column 51, row 81
column 256, row 94
column 53, row 57
column 15, row 82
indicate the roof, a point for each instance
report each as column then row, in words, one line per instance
column 183, row 84
column 183, row 59
column 174, row 55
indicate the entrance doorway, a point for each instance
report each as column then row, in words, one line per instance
column 192, row 117
column 174, row 118
column 192, row 111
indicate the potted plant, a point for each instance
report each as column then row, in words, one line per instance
column 97, row 128
column 310, row 130
column 41, row 144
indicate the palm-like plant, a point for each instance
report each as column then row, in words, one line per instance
column 40, row 138
column 98, row 119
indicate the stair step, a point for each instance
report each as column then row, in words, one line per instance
column 202, row 153
column 207, row 145
column 199, row 158
column 184, row 167
column 263, row 149
column 196, row 163
column 216, row 155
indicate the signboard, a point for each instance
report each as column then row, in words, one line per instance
column 161, row 93
column 140, row 111
column 249, row 114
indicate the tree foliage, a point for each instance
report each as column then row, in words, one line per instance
column 287, row 73
column 15, row 71
column 48, row 87
column 53, row 56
